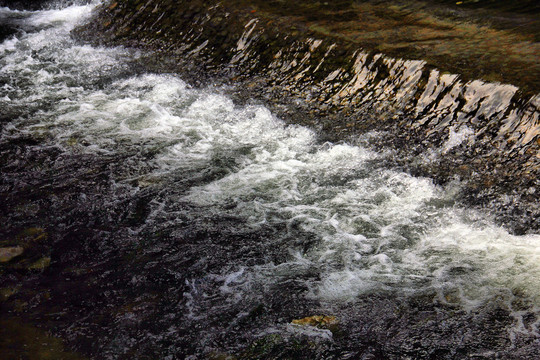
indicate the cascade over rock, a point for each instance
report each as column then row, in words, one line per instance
column 485, row 133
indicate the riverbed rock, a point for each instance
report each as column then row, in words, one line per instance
column 7, row 292
column 319, row 321
column 26, row 251
column 8, row 253
column 31, row 235
column 41, row 264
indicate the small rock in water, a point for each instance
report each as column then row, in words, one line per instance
column 319, row 321
column 5, row 293
column 32, row 235
column 8, row 253
column 41, row 264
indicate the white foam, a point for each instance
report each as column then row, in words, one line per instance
column 9, row 44
column 455, row 138
column 70, row 15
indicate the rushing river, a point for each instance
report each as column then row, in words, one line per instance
column 180, row 224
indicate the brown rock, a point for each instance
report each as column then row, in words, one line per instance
column 319, row 321
column 41, row 264
column 8, row 253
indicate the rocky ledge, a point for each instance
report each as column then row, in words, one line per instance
column 451, row 88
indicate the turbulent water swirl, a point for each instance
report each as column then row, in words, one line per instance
column 203, row 210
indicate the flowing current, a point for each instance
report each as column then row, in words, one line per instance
column 183, row 225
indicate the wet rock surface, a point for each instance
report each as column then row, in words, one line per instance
column 8, row 253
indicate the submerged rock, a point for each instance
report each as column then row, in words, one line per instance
column 33, row 234
column 7, row 292
column 41, row 264
column 29, row 250
column 8, row 253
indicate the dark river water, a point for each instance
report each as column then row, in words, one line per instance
column 172, row 223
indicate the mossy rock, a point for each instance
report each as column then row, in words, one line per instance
column 264, row 347
column 26, row 251
column 278, row 346
column 30, row 236
column 41, row 264
column 7, row 292
column 25, row 238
